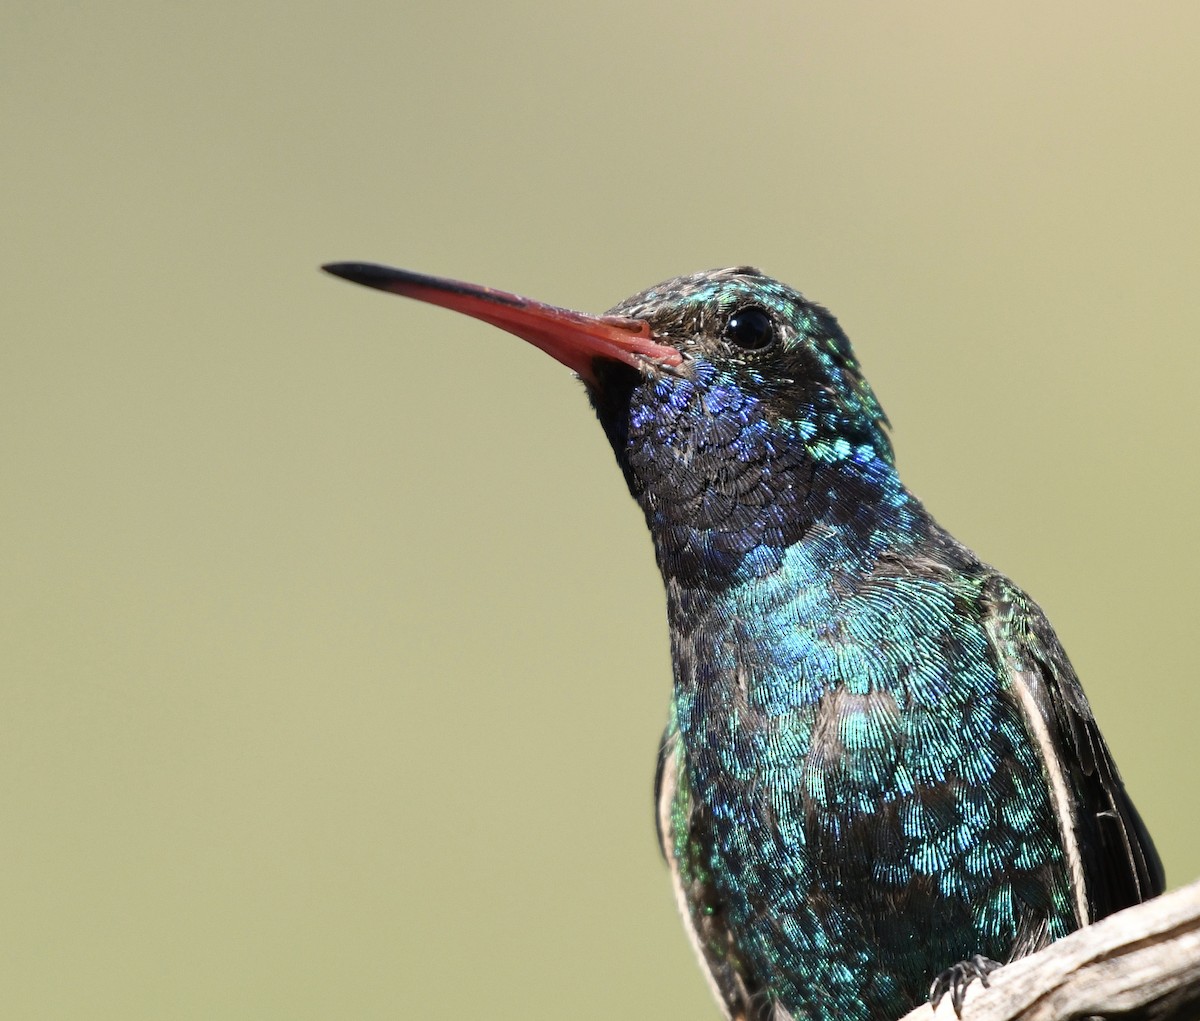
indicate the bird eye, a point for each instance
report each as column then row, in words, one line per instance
column 750, row 328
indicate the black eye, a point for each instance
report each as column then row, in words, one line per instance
column 750, row 328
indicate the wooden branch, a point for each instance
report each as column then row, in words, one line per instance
column 1141, row 964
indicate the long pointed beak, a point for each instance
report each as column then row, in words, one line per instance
column 574, row 338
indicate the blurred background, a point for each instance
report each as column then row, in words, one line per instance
column 334, row 654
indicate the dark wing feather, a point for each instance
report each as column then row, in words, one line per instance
column 700, row 904
column 1120, row 865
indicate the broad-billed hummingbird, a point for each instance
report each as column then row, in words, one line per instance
column 880, row 773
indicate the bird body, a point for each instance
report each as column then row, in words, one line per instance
column 879, row 762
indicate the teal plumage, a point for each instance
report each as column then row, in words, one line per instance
column 879, row 761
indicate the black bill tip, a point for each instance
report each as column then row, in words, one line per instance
column 368, row 274
column 418, row 285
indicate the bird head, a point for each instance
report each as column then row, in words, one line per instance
column 736, row 408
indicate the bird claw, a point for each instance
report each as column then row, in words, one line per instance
column 955, row 979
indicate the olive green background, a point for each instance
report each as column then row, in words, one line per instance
column 334, row 657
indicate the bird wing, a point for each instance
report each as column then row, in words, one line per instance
column 1113, row 861
column 683, row 828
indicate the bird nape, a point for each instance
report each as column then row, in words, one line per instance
column 879, row 772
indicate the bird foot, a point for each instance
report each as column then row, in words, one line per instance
column 955, row 979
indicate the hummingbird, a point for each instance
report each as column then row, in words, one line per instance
column 880, row 778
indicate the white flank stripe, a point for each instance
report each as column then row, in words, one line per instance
column 1060, row 795
column 666, row 798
